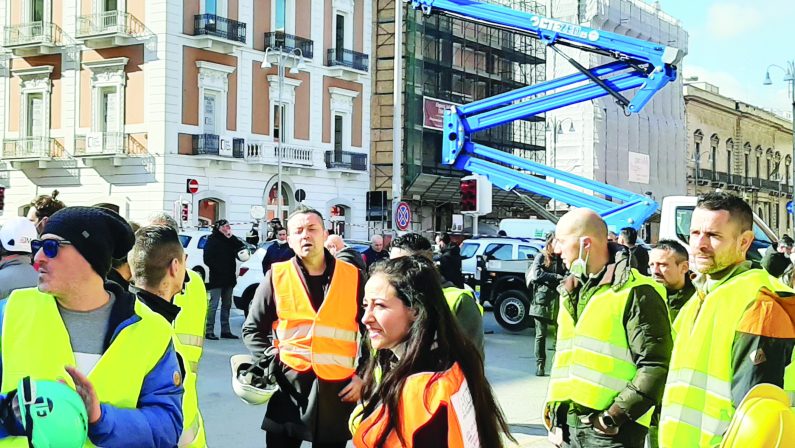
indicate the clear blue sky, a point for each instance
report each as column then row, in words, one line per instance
column 732, row 42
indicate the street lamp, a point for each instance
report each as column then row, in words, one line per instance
column 789, row 76
column 283, row 55
column 557, row 129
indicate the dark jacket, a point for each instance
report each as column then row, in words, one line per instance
column 353, row 257
column 370, row 256
column 275, row 253
column 677, row 299
column 312, row 410
column 220, row 255
column 543, row 281
column 115, row 277
column 450, row 265
column 776, row 263
column 648, row 332
column 639, row 259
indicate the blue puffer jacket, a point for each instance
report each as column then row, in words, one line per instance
column 157, row 422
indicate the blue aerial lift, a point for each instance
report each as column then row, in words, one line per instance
column 641, row 65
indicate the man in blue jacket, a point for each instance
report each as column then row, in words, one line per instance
column 79, row 328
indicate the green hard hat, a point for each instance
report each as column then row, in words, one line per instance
column 52, row 413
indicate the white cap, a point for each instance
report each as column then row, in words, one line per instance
column 16, row 235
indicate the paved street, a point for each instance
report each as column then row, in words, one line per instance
column 509, row 366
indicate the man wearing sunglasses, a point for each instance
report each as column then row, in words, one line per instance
column 79, row 328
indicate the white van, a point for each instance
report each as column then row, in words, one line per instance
column 526, row 228
column 675, row 224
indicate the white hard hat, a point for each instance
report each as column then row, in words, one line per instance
column 243, row 255
column 16, row 235
column 247, row 384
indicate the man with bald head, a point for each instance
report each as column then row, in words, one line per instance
column 614, row 342
column 375, row 252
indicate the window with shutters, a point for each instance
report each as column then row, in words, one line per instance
column 35, row 89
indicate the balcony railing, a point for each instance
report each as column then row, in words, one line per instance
column 268, row 152
column 346, row 160
column 287, row 42
column 110, row 22
column 110, row 144
column 347, row 58
column 213, row 25
column 33, row 148
column 206, row 145
column 33, row 33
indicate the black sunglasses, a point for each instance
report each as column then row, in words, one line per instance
column 50, row 246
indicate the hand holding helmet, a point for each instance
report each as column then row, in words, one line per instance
column 254, row 380
column 50, row 412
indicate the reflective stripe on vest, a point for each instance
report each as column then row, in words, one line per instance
column 189, row 328
column 423, row 394
column 454, row 295
column 593, row 363
column 327, row 340
column 697, row 403
column 117, row 377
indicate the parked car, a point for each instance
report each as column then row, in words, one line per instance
column 250, row 274
column 193, row 241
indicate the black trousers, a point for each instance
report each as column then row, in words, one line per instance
column 274, row 440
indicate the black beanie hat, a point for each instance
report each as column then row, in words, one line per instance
column 98, row 234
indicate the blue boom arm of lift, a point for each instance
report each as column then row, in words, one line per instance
column 641, row 65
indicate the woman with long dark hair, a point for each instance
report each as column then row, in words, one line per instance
column 543, row 279
column 425, row 386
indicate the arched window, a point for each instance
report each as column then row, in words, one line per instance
column 758, row 153
column 769, row 162
column 210, row 211
column 729, row 149
column 713, row 153
column 698, row 137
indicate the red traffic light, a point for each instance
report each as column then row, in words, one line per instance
column 184, row 212
column 469, row 195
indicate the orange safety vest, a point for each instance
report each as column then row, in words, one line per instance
column 448, row 388
column 327, row 340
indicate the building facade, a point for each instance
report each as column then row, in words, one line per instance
column 644, row 152
column 121, row 102
column 447, row 61
column 740, row 148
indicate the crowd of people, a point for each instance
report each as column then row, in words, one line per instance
column 386, row 348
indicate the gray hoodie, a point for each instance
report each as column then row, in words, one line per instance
column 16, row 273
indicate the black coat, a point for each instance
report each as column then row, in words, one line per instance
column 544, row 281
column 220, row 256
column 450, row 265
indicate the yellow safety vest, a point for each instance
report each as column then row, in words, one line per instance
column 593, row 363
column 35, row 343
column 454, row 295
column 697, row 404
column 188, row 341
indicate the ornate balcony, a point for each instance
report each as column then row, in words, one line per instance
column 117, row 146
column 287, row 42
column 109, row 29
column 346, row 160
column 218, row 34
column 347, row 64
column 33, row 149
column 292, row 154
column 33, row 38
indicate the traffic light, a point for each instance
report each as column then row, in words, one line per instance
column 2, row 198
column 469, row 195
column 475, row 195
column 184, row 213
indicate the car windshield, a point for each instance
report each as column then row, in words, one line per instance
column 468, row 250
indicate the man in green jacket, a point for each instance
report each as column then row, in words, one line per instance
column 614, row 342
column 462, row 302
column 669, row 266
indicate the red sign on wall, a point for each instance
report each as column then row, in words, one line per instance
column 433, row 112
